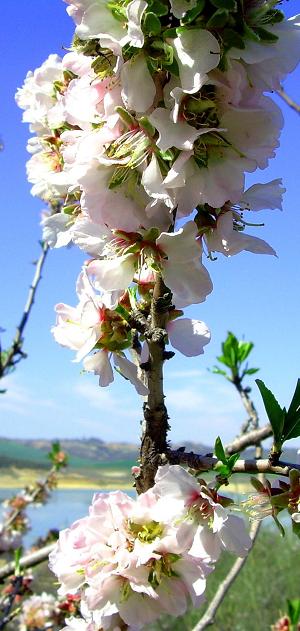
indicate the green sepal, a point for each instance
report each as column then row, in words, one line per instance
column 230, row 5
column 192, row 14
column 294, row 610
column 218, row 19
column 151, row 25
column 232, row 39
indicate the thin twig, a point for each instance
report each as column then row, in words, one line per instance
column 250, row 439
column 292, row 104
column 7, row 614
column 253, row 420
column 15, row 352
column 29, row 560
column 226, row 584
column 33, row 496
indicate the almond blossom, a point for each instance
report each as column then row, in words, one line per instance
column 127, row 559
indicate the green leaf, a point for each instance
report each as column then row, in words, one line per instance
column 232, row 460
column 219, row 450
column 232, row 39
column 251, row 371
column 244, row 350
column 218, row 371
column 230, row 5
column 152, row 25
column 159, row 8
column 295, row 402
column 294, row 610
column 275, row 413
column 218, row 19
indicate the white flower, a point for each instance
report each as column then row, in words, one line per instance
column 138, row 89
column 176, row 253
column 197, row 52
column 224, row 238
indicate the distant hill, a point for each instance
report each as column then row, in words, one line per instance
column 89, row 452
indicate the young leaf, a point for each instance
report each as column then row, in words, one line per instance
column 295, row 403
column 275, row 413
column 219, row 450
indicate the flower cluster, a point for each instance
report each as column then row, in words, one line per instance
column 133, row 559
column 143, row 134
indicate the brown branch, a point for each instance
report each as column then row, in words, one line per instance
column 209, row 616
column 27, row 561
column 155, row 424
column 207, row 463
column 251, row 438
column 15, row 352
column 287, row 99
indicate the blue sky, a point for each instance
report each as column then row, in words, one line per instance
column 255, row 296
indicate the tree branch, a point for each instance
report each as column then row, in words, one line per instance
column 155, row 424
column 29, row 560
column 209, row 616
column 247, row 440
column 207, row 463
column 287, row 99
column 15, row 352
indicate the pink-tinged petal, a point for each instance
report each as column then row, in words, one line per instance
column 89, row 236
column 193, row 574
column 197, row 52
column 135, row 10
column 180, row 134
column 188, row 336
column 112, row 274
column 100, row 365
column 138, row 89
column 181, row 246
column 172, row 596
column 139, row 610
column 296, row 517
column 190, row 283
column 263, row 196
column 130, row 371
column 232, row 532
column 175, row 482
column 145, row 353
column 91, row 340
column 206, row 545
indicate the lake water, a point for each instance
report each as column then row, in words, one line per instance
column 67, row 505
column 63, row 507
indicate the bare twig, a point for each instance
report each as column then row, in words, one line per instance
column 253, row 420
column 292, row 104
column 29, row 560
column 226, row 584
column 39, row 487
column 15, row 352
column 247, row 440
column 155, row 425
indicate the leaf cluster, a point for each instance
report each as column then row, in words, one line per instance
column 234, row 354
column 226, row 463
column 285, row 423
